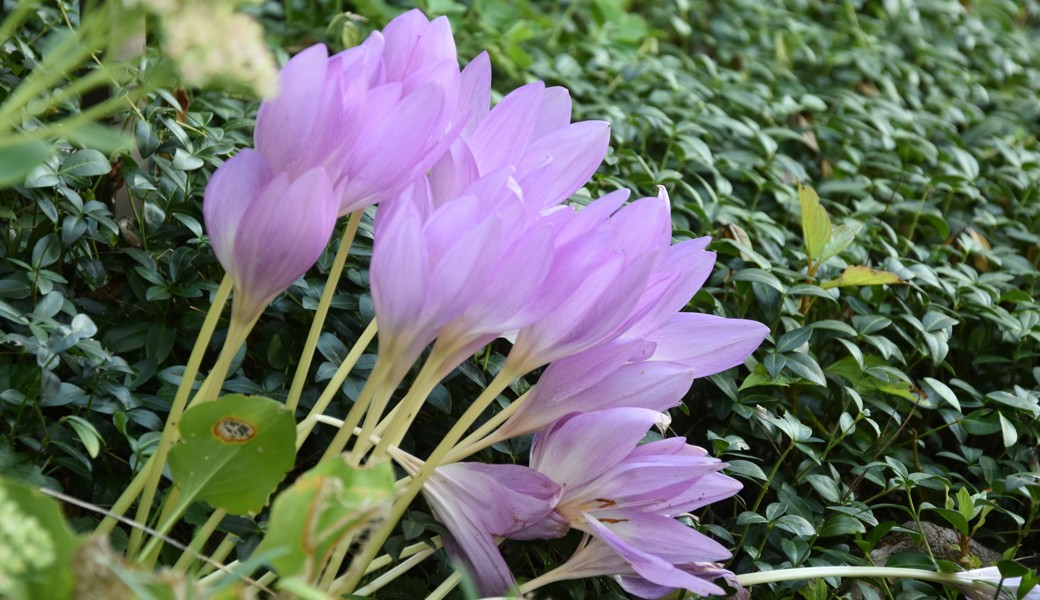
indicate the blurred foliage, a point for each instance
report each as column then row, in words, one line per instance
column 868, row 408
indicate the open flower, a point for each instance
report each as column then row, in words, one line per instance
column 266, row 228
column 375, row 116
column 627, row 494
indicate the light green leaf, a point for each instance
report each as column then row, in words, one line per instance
column 1008, row 431
column 326, row 504
column 860, row 275
column 841, row 237
column 234, row 451
column 943, row 391
column 816, row 225
column 87, row 434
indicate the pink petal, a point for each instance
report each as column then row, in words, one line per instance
column 229, row 194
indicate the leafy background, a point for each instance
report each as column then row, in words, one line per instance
column 868, row 409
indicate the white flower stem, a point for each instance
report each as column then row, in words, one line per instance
column 761, row 577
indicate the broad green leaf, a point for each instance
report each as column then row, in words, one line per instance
column 953, row 518
column 233, row 452
column 41, row 544
column 860, row 275
column 837, row 525
column 17, row 160
column 325, row 505
column 85, row 163
column 816, row 225
column 1008, row 431
column 943, row 391
column 965, row 503
column 796, row 525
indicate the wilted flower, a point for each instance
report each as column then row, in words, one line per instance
column 266, row 228
column 375, row 116
column 477, row 503
column 627, row 494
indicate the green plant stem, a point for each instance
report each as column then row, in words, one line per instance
column 396, row 424
column 334, row 384
column 307, row 356
column 15, row 19
column 483, row 437
column 372, row 387
column 765, row 488
column 179, row 402
column 237, row 333
column 200, row 539
column 446, row 587
column 501, row 381
column 400, row 569
column 223, row 550
column 328, row 579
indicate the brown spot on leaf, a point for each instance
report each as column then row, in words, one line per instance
column 234, row 431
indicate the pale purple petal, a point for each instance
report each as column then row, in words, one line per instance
column 707, row 343
column 579, row 448
column 283, row 233
column 283, row 131
column 477, row 502
column 229, row 194
column 648, row 565
column 572, row 153
column 660, row 535
column 474, row 93
column 506, row 131
column 399, row 270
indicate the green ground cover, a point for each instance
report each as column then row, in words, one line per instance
column 869, row 409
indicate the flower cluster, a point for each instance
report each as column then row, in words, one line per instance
column 344, row 132
column 473, row 241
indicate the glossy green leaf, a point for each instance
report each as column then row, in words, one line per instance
column 233, row 452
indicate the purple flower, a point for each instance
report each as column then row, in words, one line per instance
column 605, row 256
column 627, row 494
column 375, row 116
column 478, row 503
column 653, row 371
column 597, row 558
column 529, row 130
column 467, row 268
column 266, row 228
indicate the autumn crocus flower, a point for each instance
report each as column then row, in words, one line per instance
column 481, row 254
column 627, row 494
column 375, row 116
column 988, row 584
column 530, row 130
column 653, row 371
column 266, row 228
column 605, row 255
